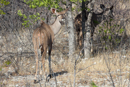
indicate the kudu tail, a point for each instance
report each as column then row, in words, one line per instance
column 40, row 44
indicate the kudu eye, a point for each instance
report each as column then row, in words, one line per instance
column 102, row 6
column 58, row 15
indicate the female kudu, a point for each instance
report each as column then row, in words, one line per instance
column 43, row 37
column 96, row 19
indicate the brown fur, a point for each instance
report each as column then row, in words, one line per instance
column 43, row 38
column 96, row 19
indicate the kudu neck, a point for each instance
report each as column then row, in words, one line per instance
column 56, row 26
column 100, row 16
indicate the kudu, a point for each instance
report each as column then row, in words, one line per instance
column 96, row 19
column 43, row 37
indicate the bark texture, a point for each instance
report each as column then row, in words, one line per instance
column 87, row 36
column 70, row 28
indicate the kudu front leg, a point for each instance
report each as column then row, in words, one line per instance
column 78, row 39
column 81, row 40
column 50, row 70
column 37, row 69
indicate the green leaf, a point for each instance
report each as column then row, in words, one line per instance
column 105, row 31
column 1, row 12
column 23, row 24
column 0, row 68
column 93, row 84
column 64, row 2
column 28, row 2
column 6, row 3
column 88, row 9
column 19, row 13
column 33, row 6
column 38, row 18
column 26, row 21
column 80, row 1
column 73, row 9
column 7, row 62
column 35, row 20
column 27, row 25
column 106, row 48
column 38, row 14
column 100, row 27
column 121, row 30
column 43, row 19
column 25, row 1
column 109, row 37
column 41, row 4
column 30, row 16
column 34, row 16
column 24, row 16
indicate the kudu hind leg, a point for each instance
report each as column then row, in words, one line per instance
column 77, row 40
column 36, row 50
column 43, row 61
column 92, row 32
column 80, row 40
column 49, row 59
column 41, row 50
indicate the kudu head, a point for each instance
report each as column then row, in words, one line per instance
column 60, row 16
column 107, row 12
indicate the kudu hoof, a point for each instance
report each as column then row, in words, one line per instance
column 49, row 77
column 36, row 81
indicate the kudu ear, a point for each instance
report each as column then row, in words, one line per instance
column 102, row 7
column 53, row 10
column 111, row 7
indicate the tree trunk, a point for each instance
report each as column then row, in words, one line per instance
column 70, row 28
column 83, row 22
column 87, row 36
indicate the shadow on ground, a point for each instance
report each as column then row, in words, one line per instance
column 55, row 74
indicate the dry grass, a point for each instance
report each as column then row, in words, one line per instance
column 87, row 70
column 97, row 67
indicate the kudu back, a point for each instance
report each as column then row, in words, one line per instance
column 96, row 19
column 43, row 38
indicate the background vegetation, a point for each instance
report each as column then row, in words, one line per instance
column 109, row 65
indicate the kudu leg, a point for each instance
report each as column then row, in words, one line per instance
column 49, row 59
column 43, row 62
column 92, row 32
column 35, row 81
column 80, row 39
column 36, row 48
column 77, row 41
